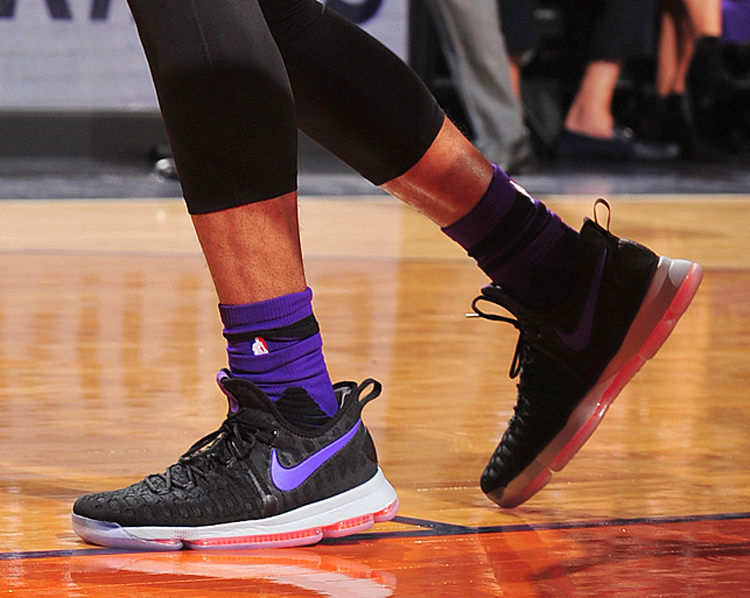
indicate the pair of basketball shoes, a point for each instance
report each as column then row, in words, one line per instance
column 285, row 474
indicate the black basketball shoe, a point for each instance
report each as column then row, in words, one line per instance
column 573, row 360
column 273, row 474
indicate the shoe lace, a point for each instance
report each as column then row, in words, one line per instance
column 232, row 441
column 531, row 363
column 525, row 333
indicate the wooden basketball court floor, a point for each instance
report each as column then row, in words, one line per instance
column 109, row 341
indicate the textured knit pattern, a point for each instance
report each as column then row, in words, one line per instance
column 226, row 478
column 553, row 376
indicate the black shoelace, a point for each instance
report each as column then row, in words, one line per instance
column 536, row 403
column 525, row 334
column 233, row 441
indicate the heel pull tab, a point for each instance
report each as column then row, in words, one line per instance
column 377, row 387
column 603, row 202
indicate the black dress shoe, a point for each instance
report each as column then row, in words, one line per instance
column 623, row 145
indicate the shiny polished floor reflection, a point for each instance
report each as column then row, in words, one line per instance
column 674, row 560
column 109, row 339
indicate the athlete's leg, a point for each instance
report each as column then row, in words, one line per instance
column 229, row 113
column 541, row 269
column 447, row 181
column 225, row 98
column 353, row 95
column 253, row 251
column 364, row 104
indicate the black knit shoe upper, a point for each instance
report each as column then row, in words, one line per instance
column 256, row 465
column 561, row 352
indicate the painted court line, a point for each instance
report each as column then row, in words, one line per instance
column 427, row 528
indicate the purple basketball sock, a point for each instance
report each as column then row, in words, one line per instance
column 276, row 344
column 518, row 243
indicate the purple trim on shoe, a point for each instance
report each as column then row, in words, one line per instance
column 289, row 478
column 578, row 338
column 234, row 404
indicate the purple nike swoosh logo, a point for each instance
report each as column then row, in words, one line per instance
column 580, row 337
column 287, row 479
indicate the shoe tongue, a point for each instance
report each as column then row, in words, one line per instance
column 242, row 394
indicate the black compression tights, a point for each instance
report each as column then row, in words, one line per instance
column 235, row 78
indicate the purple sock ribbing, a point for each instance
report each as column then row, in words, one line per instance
column 276, row 345
column 518, row 243
column 487, row 214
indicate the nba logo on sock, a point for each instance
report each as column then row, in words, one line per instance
column 259, row 346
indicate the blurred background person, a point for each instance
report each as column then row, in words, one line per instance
column 689, row 51
column 486, row 78
column 610, row 33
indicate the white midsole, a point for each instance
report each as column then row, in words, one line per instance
column 371, row 497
